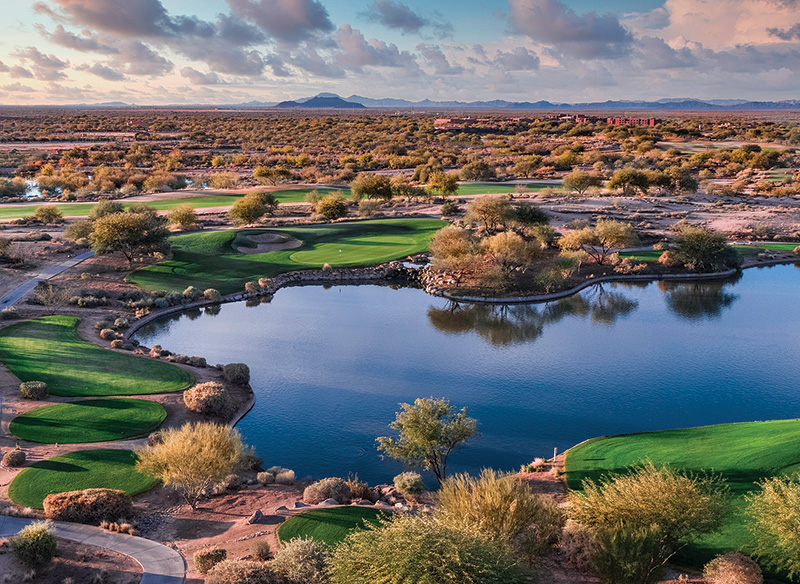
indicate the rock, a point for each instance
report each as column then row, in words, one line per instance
column 281, row 509
column 255, row 517
column 299, row 505
column 329, row 503
column 401, row 507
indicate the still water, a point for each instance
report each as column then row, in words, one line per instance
column 330, row 365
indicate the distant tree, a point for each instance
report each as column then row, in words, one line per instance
column 218, row 161
column 193, row 457
column 526, row 213
column 445, row 183
column 423, row 172
column 703, row 250
column 106, row 207
column 135, row 231
column 269, row 201
column 271, row 176
column 490, row 211
column 510, row 252
column 403, row 186
column 580, row 181
column 78, row 231
column 331, row 207
column 430, row 430
column 48, row 214
column 629, row 180
column 246, row 210
column 600, row 241
column 477, row 170
column 371, row 186
column 184, row 216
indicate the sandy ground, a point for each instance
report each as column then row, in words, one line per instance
column 81, row 563
column 267, row 242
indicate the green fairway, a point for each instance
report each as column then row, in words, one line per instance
column 210, row 260
column 49, row 349
column 741, row 453
column 743, row 251
column 492, row 189
column 91, row 420
column 328, row 526
column 196, row 201
column 642, row 256
column 87, row 469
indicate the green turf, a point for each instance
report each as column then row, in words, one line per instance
column 49, row 349
column 642, row 256
column 328, row 526
column 86, row 469
column 743, row 251
column 492, row 189
column 91, row 420
column 196, row 201
column 209, row 260
column 741, row 453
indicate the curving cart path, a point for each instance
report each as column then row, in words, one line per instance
column 160, row 564
column 46, row 274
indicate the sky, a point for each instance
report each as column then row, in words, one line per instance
column 160, row 52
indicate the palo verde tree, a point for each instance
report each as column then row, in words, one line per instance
column 600, row 242
column 775, row 509
column 580, row 181
column 430, row 429
column 371, row 186
column 445, row 183
column 139, row 230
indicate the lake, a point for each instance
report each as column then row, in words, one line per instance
column 330, row 365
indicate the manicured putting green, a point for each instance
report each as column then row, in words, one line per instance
column 212, row 260
column 49, row 349
column 87, row 469
column 330, row 525
column 91, row 420
column 741, row 453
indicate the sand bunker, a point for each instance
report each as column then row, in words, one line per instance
column 266, row 242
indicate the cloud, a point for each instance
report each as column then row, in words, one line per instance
column 398, row 16
column 287, row 21
column 356, row 52
column 143, row 17
column 19, row 72
column 196, row 77
column 311, row 61
column 437, row 59
column 17, row 88
column 102, row 71
column 785, row 34
column 45, row 67
column 654, row 53
column 136, row 58
column 88, row 43
column 518, row 59
column 587, row 36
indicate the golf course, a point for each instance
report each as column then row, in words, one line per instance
column 213, row 260
column 742, row 454
column 49, row 349
column 329, row 526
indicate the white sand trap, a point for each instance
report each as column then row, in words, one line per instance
column 266, row 242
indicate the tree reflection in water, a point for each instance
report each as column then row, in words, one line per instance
column 698, row 300
column 501, row 325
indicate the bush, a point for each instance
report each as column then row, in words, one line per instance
column 48, row 214
column 242, row 572
column 88, row 506
column 184, row 216
column 732, row 568
column 285, row 477
column 35, row 545
column 9, row 313
column 627, row 555
column 265, row 478
column 14, row 458
column 502, row 508
column 248, row 209
column 212, row 295
column 703, row 250
column 236, row 373
column 329, row 488
column 108, row 334
column 191, row 293
column 331, row 207
column 359, row 490
column 209, row 399
column 577, row 545
column 262, row 551
column 196, row 361
column 207, row 558
column 450, row 208
column 303, row 561
column 36, row 390
column 404, row 548
column 776, row 515
column 409, row 484
column 367, row 208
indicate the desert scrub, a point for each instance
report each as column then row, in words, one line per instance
column 303, row 560
column 732, row 568
column 209, row 399
column 243, row 572
column 206, row 559
column 88, row 506
column 14, row 458
column 35, row 390
column 212, row 295
column 236, row 373
column 35, row 545
column 329, row 488
column 409, row 484
column 262, row 551
column 265, row 478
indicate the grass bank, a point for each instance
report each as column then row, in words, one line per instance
column 49, row 349
column 211, row 260
column 328, row 526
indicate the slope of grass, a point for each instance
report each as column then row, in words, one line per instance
column 492, row 189
column 87, row 469
column 210, row 260
column 328, row 526
column 741, row 453
column 91, row 420
column 49, row 349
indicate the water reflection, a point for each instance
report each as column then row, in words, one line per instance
column 699, row 300
column 501, row 325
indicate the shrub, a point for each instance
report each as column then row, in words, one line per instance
column 409, row 483
column 108, row 334
column 14, row 458
column 329, row 488
column 732, row 568
column 265, row 478
column 627, row 555
column 359, row 490
column 331, row 207
column 184, row 216
column 212, row 295
column 196, row 361
column 703, row 250
column 577, row 545
column 450, row 208
column 248, row 209
column 191, row 293
column 48, row 214
column 242, row 572
column 367, row 208
column 35, row 545
column 207, row 558
column 501, row 507
column 88, row 505
column 302, row 560
column 776, row 515
column 404, row 548
column 261, row 551
column 36, row 390
column 9, row 313
column 236, row 373
column 209, row 399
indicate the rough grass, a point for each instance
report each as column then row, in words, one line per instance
column 743, row 251
column 49, row 349
column 328, row 526
column 87, row 469
column 91, row 420
column 210, row 260
column 742, row 453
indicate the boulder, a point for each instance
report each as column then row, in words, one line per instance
column 255, row 517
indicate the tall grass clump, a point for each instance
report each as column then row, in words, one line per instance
column 303, row 560
column 35, row 545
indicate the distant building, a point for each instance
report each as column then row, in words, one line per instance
column 633, row 121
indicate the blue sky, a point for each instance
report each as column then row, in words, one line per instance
column 229, row 51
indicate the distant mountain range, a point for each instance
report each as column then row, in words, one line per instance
column 331, row 100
